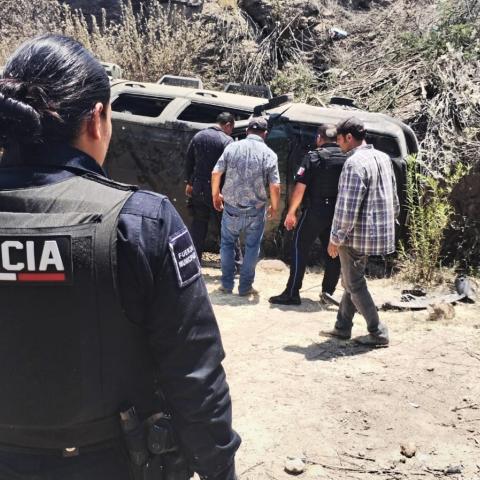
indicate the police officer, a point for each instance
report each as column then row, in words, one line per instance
column 103, row 303
column 317, row 178
column 203, row 152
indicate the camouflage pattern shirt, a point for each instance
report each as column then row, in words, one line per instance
column 249, row 166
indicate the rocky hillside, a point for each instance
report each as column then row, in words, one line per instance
column 113, row 8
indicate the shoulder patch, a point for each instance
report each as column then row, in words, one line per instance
column 300, row 171
column 184, row 258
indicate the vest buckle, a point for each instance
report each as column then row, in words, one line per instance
column 70, row 452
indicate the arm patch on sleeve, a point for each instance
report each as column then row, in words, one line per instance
column 184, row 258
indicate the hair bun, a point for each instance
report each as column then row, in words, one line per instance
column 19, row 122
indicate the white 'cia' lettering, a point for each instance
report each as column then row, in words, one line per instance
column 51, row 256
column 30, row 256
column 7, row 264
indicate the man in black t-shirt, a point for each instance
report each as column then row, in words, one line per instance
column 317, row 181
column 203, row 152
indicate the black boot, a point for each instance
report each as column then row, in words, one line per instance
column 286, row 299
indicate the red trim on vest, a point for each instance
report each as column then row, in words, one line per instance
column 41, row 277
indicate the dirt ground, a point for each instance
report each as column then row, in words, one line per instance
column 346, row 410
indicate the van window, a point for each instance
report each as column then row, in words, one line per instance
column 204, row 113
column 144, row 106
column 385, row 143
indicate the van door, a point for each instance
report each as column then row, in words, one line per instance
column 147, row 148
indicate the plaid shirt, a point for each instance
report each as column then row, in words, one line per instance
column 367, row 203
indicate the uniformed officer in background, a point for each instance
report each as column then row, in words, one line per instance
column 317, row 180
column 102, row 299
column 203, row 152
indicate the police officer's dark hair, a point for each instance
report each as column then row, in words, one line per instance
column 50, row 84
column 354, row 126
column 225, row 117
column 328, row 132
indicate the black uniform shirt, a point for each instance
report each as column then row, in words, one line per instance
column 203, row 152
column 182, row 328
column 321, row 176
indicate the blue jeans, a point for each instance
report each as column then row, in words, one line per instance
column 250, row 221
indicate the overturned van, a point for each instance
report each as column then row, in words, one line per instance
column 154, row 123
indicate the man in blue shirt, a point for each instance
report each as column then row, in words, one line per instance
column 248, row 166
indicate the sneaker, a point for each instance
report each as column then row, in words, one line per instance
column 327, row 299
column 371, row 340
column 285, row 299
column 335, row 333
column 250, row 291
column 222, row 289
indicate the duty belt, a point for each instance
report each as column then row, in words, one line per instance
column 72, row 437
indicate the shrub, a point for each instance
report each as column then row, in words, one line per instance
column 429, row 214
column 298, row 78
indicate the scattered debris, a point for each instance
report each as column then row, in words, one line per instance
column 337, row 33
column 473, row 406
column 360, row 456
column 453, row 470
column 416, row 291
column 295, row 466
column 464, row 287
column 408, row 449
column 416, row 299
column 441, row 311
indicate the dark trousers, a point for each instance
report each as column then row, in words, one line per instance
column 106, row 464
column 203, row 210
column 356, row 297
column 313, row 224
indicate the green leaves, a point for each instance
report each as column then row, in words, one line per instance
column 429, row 214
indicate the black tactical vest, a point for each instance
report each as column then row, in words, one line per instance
column 69, row 357
column 326, row 166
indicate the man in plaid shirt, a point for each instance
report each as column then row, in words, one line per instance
column 363, row 225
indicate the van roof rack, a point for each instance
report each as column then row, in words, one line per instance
column 273, row 103
column 262, row 91
column 343, row 101
column 177, row 81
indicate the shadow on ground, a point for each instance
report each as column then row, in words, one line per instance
column 232, row 299
column 209, row 278
column 307, row 305
column 329, row 349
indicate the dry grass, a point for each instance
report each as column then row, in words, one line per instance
column 228, row 4
column 159, row 40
